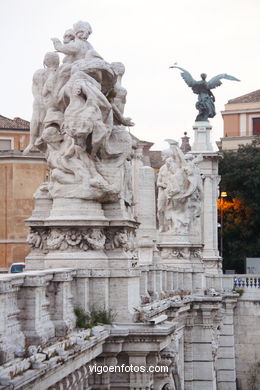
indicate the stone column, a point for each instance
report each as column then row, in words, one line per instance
column 164, row 279
column 188, row 353
column 144, row 282
column 159, row 282
column 208, row 218
column 170, row 283
column 175, row 279
column 210, row 255
column 146, row 214
column 152, row 282
column 226, row 370
column 180, row 279
column 187, row 281
column 204, row 345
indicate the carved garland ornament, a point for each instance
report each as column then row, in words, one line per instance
column 81, row 239
column 67, row 239
column 181, row 253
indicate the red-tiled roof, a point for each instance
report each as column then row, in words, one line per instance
column 16, row 123
column 251, row 97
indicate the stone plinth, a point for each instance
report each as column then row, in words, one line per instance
column 209, row 170
column 76, row 209
column 202, row 142
column 187, row 259
column 93, row 237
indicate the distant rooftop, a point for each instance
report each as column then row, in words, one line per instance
column 16, row 123
column 251, row 97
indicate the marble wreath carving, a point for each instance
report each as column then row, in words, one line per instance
column 78, row 239
column 78, row 121
column 180, row 192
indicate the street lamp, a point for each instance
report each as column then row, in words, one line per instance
column 222, row 196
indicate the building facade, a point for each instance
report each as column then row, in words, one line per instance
column 19, row 176
column 241, row 119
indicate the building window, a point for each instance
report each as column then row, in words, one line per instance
column 5, row 144
column 256, row 126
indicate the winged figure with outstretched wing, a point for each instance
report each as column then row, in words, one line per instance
column 205, row 104
column 215, row 81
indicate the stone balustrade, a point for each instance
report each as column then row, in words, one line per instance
column 249, row 283
column 161, row 281
column 37, row 307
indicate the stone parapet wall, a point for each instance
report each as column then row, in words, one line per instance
column 247, row 341
column 40, row 347
column 160, row 281
column 37, row 307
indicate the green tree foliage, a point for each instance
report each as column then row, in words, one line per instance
column 240, row 178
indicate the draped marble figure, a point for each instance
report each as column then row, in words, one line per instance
column 78, row 121
column 179, row 192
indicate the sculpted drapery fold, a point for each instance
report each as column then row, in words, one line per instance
column 180, row 191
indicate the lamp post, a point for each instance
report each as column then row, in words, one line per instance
column 222, row 196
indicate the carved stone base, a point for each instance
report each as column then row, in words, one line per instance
column 183, row 255
column 77, row 234
column 202, row 141
column 168, row 238
column 76, row 209
column 213, row 265
column 187, row 258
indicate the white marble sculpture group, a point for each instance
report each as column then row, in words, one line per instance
column 78, row 121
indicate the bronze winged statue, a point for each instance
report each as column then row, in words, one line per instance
column 205, row 104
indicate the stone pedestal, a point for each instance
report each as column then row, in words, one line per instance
column 201, row 344
column 187, row 259
column 145, row 210
column 226, row 370
column 98, row 238
column 202, row 141
column 209, row 171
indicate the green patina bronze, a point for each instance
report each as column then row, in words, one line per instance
column 205, row 104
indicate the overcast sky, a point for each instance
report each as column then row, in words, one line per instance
column 148, row 36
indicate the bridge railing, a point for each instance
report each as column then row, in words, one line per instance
column 246, row 282
column 159, row 281
column 38, row 306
